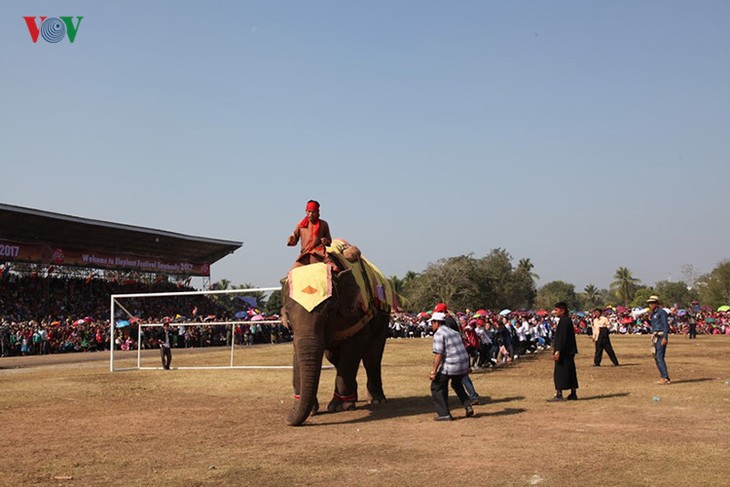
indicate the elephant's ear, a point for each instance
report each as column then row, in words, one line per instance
column 348, row 294
column 284, row 298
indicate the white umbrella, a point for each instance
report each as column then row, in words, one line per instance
column 638, row 312
column 505, row 312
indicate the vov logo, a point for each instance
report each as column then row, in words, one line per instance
column 53, row 29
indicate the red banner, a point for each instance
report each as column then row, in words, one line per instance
column 47, row 255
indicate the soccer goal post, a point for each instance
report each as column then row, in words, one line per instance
column 119, row 304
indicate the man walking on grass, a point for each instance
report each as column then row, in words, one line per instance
column 600, row 337
column 450, row 364
column 660, row 337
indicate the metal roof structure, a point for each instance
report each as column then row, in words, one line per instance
column 38, row 227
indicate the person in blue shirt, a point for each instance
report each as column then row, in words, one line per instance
column 660, row 336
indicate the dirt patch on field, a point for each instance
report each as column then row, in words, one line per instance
column 67, row 420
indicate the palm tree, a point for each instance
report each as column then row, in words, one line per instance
column 221, row 299
column 624, row 285
column 400, row 285
column 397, row 284
column 220, row 285
column 591, row 293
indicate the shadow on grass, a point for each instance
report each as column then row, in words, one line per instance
column 692, row 381
column 489, row 400
column 402, row 407
column 603, row 396
column 504, row 412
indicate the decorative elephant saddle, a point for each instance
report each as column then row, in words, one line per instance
column 310, row 285
column 375, row 289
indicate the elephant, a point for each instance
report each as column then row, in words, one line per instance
column 348, row 326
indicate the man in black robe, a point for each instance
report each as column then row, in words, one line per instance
column 564, row 350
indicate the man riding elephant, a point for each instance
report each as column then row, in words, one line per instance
column 315, row 236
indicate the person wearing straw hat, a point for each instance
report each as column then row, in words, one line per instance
column 659, row 336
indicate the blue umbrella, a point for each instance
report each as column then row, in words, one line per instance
column 249, row 300
column 241, row 315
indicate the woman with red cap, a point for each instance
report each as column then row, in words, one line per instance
column 315, row 235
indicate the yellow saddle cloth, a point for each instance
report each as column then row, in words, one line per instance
column 311, row 284
column 375, row 289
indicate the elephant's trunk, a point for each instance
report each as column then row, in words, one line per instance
column 309, row 352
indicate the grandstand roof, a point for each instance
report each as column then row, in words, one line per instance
column 40, row 227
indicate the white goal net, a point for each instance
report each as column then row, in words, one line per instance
column 132, row 333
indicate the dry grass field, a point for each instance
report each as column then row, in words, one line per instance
column 67, row 421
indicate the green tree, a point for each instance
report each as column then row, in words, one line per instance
column 465, row 282
column 496, row 280
column 591, row 296
column 273, row 304
column 400, row 285
column 220, row 285
column 624, row 285
column 526, row 265
column 222, row 300
column 714, row 288
column 259, row 295
column 452, row 281
column 641, row 295
column 555, row 291
column 228, row 301
column 678, row 293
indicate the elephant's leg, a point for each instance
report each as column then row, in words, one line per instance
column 296, row 383
column 372, row 361
column 346, row 360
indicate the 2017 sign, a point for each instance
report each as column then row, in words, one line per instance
column 53, row 29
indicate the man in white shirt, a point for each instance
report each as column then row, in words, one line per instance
column 601, row 326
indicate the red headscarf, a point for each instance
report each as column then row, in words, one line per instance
column 311, row 206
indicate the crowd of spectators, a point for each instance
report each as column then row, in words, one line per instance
column 498, row 338
column 630, row 322
column 44, row 315
column 490, row 339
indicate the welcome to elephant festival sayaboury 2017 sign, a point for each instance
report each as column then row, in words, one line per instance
column 47, row 255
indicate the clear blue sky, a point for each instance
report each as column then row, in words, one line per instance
column 583, row 135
